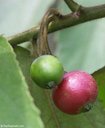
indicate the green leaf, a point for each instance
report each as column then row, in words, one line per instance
column 82, row 47
column 52, row 117
column 100, row 78
column 16, row 104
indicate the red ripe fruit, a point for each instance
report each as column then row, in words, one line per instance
column 76, row 93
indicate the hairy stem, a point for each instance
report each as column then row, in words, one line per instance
column 86, row 14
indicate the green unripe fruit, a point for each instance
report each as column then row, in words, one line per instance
column 46, row 71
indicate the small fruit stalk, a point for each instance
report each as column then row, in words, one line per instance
column 76, row 93
column 46, row 70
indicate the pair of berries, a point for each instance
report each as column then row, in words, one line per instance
column 73, row 92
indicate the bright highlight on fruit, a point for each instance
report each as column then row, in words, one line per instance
column 76, row 93
column 47, row 71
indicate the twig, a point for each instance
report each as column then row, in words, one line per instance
column 87, row 14
column 72, row 5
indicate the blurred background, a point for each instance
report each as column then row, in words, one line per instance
column 79, row 47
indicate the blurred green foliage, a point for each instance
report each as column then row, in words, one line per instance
column 82, row 47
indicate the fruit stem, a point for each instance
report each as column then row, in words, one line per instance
column 42, row 43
